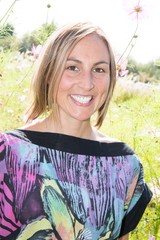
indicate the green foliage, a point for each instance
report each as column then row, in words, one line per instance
column 37, row 37
column 6, row 31
column 15, row 71
column 8, row 39
column 8, row 43
column 149, row 72
column 26, row 43
column 133, row 117
column 42, row 34
column 158, row 63
column 132, row 67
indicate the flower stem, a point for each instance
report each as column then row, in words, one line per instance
column 130, row 41
column 7, row 13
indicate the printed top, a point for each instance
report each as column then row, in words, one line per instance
column 59, row 187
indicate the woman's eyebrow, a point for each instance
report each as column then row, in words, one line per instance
column 78, row 61
column 102, row 62
column 74, row 60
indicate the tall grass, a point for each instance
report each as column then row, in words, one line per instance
column 133, row 117
column 15, row 71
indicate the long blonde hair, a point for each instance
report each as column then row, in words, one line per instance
column 51, row 64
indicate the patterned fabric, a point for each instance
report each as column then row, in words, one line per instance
column 55, row 186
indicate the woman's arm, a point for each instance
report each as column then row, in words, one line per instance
column 125, row 237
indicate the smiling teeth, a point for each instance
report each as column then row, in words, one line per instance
column 81, row 99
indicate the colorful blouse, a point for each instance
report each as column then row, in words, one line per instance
column 59, row 187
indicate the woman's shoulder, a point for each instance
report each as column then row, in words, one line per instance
column 7, row 137
column 97, row 145
column 13, row 138
column 119, row 148
column 36, row 125
column 101, row 137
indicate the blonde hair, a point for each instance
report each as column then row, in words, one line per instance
column 51, row 64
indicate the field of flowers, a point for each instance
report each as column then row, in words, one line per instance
column 133, row 117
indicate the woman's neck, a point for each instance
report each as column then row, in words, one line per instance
column 82, row 129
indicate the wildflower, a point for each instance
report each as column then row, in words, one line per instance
column 8, row 67
column 22, row 98
column 25, row 90
column 136, row 9
column 35, row 51
column 19, row 68
column 157, row 133
column 24, row 118
column 151, row 237
column 18, row 81
column 115, row 109
column 22, row 66
column 10, row 111
column 121, row 65
column 28, row 52
column 155, row 188
column 153, row 132
column 1, row 104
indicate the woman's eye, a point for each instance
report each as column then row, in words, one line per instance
column 73, row 68
column 99, row 70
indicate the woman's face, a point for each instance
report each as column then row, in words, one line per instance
column 85, row 81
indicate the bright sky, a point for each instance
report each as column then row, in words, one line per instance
column 28, row 15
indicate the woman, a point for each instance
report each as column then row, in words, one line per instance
column 60, row 177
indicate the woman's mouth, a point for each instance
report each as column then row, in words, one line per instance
column 82, row 99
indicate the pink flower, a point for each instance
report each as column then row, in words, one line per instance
column 19, row 68
column 18, row 81
column 155, row 188
column 8, row 67
column 136, row 9
column 121, row 65
column 22, row 98
column 25, row 117
column 1, row 104
column 153, row 131
column 28, row 52
column 25, row 90
column 36, row 52
column 151, row 237
column 10, row 111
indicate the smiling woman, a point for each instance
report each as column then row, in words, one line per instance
column 62, row 57
column 61, row 178
column 85, row 81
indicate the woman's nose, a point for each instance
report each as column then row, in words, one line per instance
column 86, row 81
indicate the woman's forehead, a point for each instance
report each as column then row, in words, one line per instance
column 91, row 46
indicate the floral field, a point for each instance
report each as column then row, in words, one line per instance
column 133, row 117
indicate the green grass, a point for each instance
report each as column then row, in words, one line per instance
column 14, row 88
column 133, row 117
